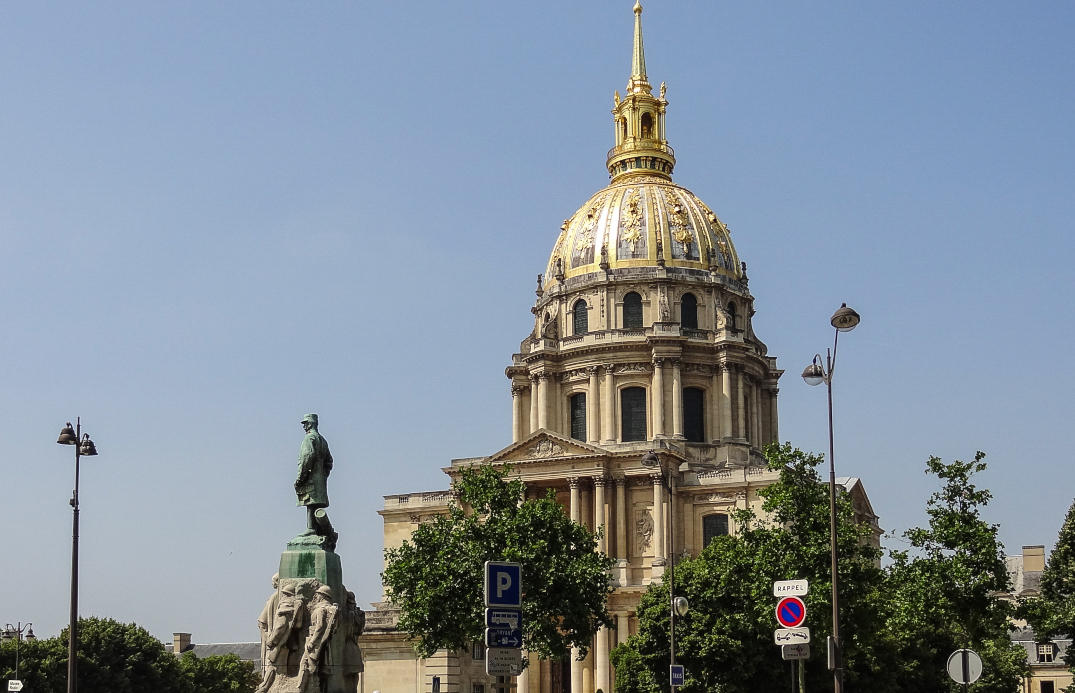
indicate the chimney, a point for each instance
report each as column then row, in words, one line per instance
column 1033, row 559
column 180, row 642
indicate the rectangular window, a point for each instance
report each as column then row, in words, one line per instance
column 478, row 688
column 713, row 526
column 578, row 416
column 633, row 413
column 477, row 651
column 1047, row 687
column 694, row 414
column 1046, row 653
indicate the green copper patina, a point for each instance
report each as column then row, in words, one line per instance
column 311, row 487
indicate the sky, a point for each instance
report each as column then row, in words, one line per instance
column 217, row 217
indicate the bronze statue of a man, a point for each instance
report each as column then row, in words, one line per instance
column 311, row 484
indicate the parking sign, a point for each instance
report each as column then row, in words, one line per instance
column 503, row 584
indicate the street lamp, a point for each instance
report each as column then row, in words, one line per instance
column 16, row 633
column 844, row 320
column 84, row 447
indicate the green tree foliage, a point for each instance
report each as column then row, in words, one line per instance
column 943, row 592
column 725, row 641
column 435, row 578
column 1053, row 613
column 116, row 657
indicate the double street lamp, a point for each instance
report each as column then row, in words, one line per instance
column 84, row 447
column 844, row 320
column 16, row 633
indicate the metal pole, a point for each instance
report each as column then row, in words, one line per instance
column 671, row 573
column 837, row 674
column 72, row 634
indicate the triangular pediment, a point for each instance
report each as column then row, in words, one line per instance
column 545, row 445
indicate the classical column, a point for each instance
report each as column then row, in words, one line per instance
column 576, row 670
column 677, row 398
column 599, row 512
column 608, row 409
column 516, row 413
column 715, row 401
column 774, row 423
column 623, row 627
column 726, row 402
column 756, row 390
column 601, row 678
column 534, row 385
column 593, row 429
column 621, row 517
column 657, row 394
column 522, row 681
column 658, row 518
column 576, row 508
column 543, row 400
column 741, row 403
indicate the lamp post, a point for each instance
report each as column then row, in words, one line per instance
column 844, row 320
column 83, row 447
column 15, row 632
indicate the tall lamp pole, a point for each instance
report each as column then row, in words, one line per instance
column 844, row 320
column 677, row 605
column 16, row 632
column 83, row 447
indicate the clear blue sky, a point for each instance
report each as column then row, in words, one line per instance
column 215, row 217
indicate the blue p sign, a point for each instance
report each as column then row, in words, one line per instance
column 503, row 584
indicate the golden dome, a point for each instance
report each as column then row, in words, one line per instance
column 642, row 218
column 638, row 221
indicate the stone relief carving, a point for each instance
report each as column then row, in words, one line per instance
column 644, row 530
column 718, row 498
column 322, row 626
column 546, row 448
column 632, row 368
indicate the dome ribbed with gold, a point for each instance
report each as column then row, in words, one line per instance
column 642, row 218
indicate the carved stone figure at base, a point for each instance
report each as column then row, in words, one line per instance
column 314, row 665
column 352, row 621
column 281, row 640
column 268, row 614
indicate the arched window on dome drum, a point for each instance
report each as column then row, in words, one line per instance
column 578, row 416
column 733, row 318
column 688, row 312
column 713, row 526
column 694, row 414
column 633, row 413
column 580, row 314
column 632, row 310
column 646, row 125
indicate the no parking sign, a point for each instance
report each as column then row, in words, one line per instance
column 790, row 612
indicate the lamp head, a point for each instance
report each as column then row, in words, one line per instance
column 681, row 606
column 30, row 634
column 67, row 435
column 814, row 374
column 87, row 449
column 844, row 319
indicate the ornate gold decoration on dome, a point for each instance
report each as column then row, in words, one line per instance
column 585, row 239
column 678, row 221
column 631, row 222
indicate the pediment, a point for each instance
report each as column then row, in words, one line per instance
column 545, row 445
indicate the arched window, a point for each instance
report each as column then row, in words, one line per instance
column 633, row 413
column 578, row 416
column 713, row 526
column 688, row 312
column 632, row 310
column 694, row 414
column 647, row 125
column 581, row 314
column 623, row 129
column 733, row 318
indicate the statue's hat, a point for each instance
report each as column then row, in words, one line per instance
column 310, row 418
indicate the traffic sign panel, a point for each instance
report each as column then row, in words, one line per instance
column 795, row 651
column 503, row 584
column 503, row 637
column 964, row 666
column 503, row 661
column 676, row 674
column 791, row 636
column 790, row 588
column 790, row 612
column 504, row 618
column 14, row 685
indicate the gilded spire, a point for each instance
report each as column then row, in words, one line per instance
column 641, row 147
column 638, row 82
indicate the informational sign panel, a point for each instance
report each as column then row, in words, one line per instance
column 795, row 651
column 503, row 584
column 14, row 685
column 676, row 674
column 964, row 666
column 791, row 636
column 503, row 661
column 790, row 612
column 790, row 588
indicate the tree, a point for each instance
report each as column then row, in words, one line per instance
column 122, row 658
column 944, row 593
column 725, row 641
column 435, row 578
column 1053, row 613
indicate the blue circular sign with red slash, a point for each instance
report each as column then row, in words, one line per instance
column 791, row 612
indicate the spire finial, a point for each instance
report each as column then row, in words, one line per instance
column 639, row 81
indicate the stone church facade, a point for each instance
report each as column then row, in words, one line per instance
column 643, row 341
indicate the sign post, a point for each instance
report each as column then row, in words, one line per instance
column 503, row 618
